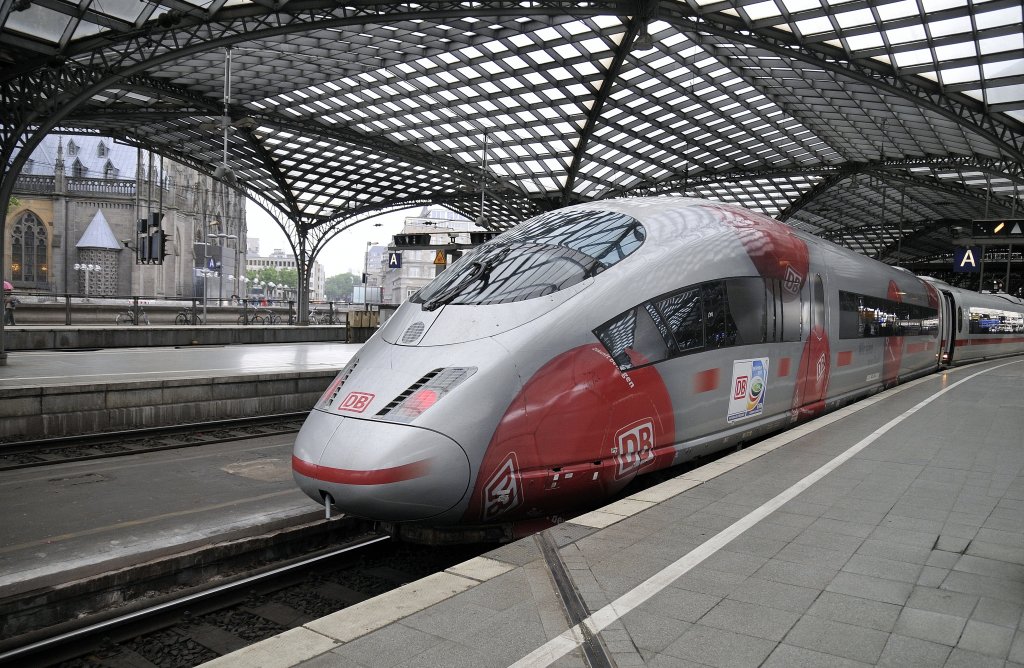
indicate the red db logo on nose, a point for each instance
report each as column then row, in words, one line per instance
column 356, row 402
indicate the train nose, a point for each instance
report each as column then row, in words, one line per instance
column 379, row 470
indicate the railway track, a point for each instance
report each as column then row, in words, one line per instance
column 43, row 452
column 197, row 626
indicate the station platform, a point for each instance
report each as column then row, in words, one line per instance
column 53, row 393
column 888, row 533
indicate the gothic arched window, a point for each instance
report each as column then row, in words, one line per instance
column 28, row 250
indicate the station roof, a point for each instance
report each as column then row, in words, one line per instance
column 882, row 125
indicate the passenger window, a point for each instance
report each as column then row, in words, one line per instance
column 684, row 318
column 747, row 308
column 719, row 327
column 634, row 339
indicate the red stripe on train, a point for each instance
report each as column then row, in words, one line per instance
column 988, row 342
column 844, row 358
column 355, row 477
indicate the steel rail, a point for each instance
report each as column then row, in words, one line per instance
column 167, row 606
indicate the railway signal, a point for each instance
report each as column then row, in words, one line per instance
column 1003, row 228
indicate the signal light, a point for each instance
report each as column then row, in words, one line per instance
column 477, row 238
column 412, row 240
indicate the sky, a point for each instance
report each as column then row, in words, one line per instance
column 344, row 253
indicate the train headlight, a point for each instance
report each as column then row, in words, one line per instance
column 424, row 393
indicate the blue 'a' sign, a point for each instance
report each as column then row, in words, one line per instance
column 395, row 260
column 967, row 260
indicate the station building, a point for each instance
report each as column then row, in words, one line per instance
column 279, row 259
column 79, row 200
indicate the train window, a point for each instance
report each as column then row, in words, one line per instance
column 995, row 321
column 863, row 316
column 959, row 319
column 546, row 254
column 850, row 315
column 635, row 338
column 746, row 301
column 719, row 327
column 684, row 316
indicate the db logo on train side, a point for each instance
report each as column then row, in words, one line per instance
column 356, row 402
column 501, row 492
column 740, row 391
column 634, row 447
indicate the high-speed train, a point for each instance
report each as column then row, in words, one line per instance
column 547, row 368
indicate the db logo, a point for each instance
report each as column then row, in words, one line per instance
column 356, row 402
column 793, row 281
column 740, row 391
column 634, row 447
column 501, row 493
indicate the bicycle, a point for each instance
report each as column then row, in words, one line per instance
column 318, row 317
column 271, row 318
column 254, row 317
column 128, row 317
column 187, row 316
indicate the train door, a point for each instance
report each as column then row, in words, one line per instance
column 815, row 362
column 948, row 327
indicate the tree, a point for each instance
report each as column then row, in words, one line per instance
column 339, row 287
column 12, row 204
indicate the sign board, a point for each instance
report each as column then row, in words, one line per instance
column 439, row 258
column 412, row 240
column 210, row 264
column 394, row 260
column 967, row 260
column 1002, row 228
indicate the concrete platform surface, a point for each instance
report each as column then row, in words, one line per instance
column 889, row 533
column 62, row 367
column 68, row 521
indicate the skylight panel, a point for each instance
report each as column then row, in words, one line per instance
column 909, row 58
column 954, row 26
column 1007, row 16
column 762, row 10
column 1005, row 43
column 814, row 26
column 961, row 75
column 858, row 17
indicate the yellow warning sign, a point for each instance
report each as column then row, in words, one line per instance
column 440, row 258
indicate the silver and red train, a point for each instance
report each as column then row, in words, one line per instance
column 545, row 370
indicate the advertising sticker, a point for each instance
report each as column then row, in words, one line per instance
column 748, row 389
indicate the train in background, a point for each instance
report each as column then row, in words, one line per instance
column 544, row 371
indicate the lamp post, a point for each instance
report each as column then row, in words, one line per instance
column 87, row 269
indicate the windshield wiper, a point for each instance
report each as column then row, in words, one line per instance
column 479, row 271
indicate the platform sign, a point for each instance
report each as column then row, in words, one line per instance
column 439, row 258
column 395, row 260
column 967, row 260
column 1008, row 228
column 210, row 264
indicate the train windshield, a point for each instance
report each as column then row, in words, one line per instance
column 546, row 254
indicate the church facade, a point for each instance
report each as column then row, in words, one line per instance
column 74, row 228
